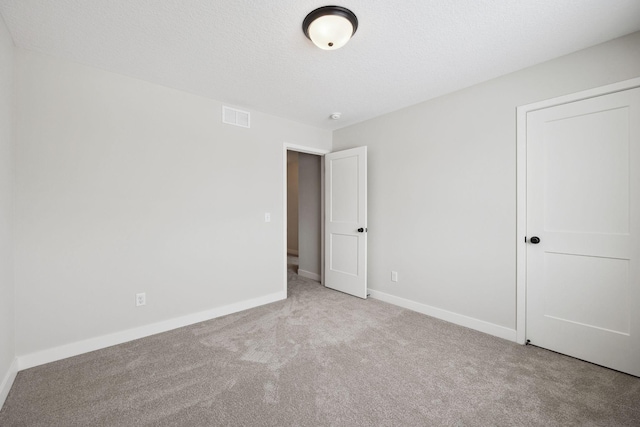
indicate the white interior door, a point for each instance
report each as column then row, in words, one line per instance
column 346, row 221
column 583, row 204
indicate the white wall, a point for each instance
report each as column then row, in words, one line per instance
column 309, row 213
column 7, row 300
column 123, row 186
column 292, row 202
column 442, row 184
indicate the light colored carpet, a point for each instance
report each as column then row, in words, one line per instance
column 322, row 358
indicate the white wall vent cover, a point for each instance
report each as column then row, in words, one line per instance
column 231, row 116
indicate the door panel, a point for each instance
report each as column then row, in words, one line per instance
column 345, row 213
column 583, row 196
column 344, row 192
column 587, row 162
column 574, row 291
column 344, row 254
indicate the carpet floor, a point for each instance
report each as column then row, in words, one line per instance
column 322, row 358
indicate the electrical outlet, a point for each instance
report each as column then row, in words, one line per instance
column 141, row 299
column 394, row 276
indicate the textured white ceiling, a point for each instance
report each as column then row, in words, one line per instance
column 253, row 54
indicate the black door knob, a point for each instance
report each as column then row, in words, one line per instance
column 360, row 230
column 535, row 240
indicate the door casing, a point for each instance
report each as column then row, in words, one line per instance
column 521, row 188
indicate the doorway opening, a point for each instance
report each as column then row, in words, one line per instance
column 303, row 208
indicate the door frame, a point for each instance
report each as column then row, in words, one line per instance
column 308, row 150
column 521, row 186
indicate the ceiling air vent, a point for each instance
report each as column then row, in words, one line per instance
column 231, row 116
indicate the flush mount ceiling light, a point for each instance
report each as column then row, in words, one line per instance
column 330, row 27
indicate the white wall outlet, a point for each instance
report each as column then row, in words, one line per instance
column 267, row 217
column 394, row 276
column 141, row 299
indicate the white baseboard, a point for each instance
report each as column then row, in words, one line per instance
column 449, row 316
column 68, row 350
column 309, row 275
column 7, row 381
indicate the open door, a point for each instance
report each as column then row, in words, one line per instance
column 346, row 221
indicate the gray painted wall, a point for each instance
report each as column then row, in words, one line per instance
column 123, row 186
column 7, row 328
column 442, row 183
